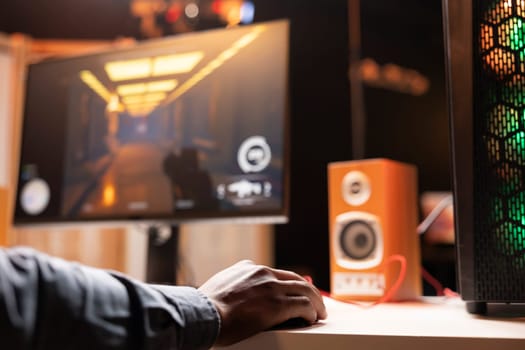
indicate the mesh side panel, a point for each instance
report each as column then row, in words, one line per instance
column 499, row 149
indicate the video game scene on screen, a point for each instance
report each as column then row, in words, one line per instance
column 175, row 127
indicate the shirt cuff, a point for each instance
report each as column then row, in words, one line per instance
column 201, row 319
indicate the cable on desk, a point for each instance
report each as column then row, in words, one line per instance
column 440, row 290
column 386, row 296
column 438, row 287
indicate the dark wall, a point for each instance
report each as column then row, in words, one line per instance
column 320, row 125
column 405, row 127
column 409, row 128
column 69, row 19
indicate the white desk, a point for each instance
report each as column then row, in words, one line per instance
column 432, row 324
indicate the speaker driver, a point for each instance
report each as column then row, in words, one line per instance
column 358, row 240
column 356, row 188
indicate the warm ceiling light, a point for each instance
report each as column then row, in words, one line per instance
column 132, row 99
column 141, row 105
column 248, row 38
column 153, row 66
column 216, row 62
column 154, row 97
column 142, row 88
column 151, row 97
column 131, row 89
column 90, row 80
column 162, row 85
column 127, row 70
column 175, row 64
column 114, row 104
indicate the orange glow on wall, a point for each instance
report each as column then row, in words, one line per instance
column 109, row 195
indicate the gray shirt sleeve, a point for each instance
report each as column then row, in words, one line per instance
column 49, row 303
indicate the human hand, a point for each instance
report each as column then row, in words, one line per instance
column 251, row 298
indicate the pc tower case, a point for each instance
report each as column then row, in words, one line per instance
column 485, row 59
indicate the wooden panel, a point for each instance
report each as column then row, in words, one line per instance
column 17, row 49
column 205, row 249
column 97, row 247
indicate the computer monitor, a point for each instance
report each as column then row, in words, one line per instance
column 188, row 127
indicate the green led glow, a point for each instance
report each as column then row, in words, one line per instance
column 512, row 33
column 515, row 148
column 511, row 238
column 513, row 93
column 502, row 56
column 496, row 213
column 516, row 205
column 522, row 60
column 503, row 120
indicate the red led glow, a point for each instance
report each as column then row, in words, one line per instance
column 216, row 6
column 173, row 13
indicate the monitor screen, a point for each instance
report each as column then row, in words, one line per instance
column 188, row 127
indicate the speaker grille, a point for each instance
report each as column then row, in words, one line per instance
column 499, row 149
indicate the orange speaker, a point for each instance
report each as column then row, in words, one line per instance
column 374, row 247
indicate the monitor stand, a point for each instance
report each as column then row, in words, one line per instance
column 162, row 254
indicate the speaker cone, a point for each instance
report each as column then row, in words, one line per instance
column 358, row 240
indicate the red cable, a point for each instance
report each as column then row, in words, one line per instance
column 440, row 291
column 400, row 278
column 432, row 281
column 389, row 293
